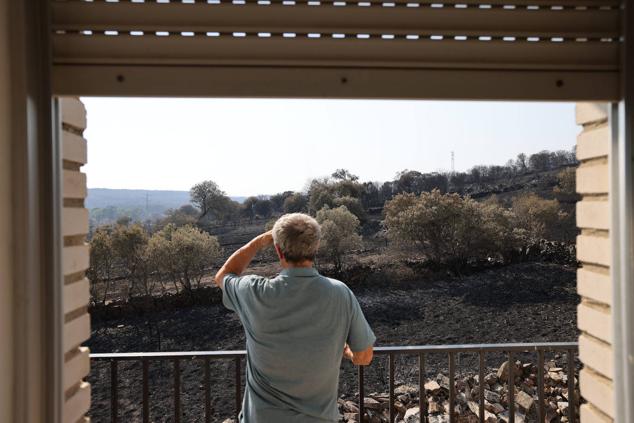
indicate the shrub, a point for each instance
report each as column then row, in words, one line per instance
column 295, row 203
column 339, row 235
column 102, row 263
column 129, row 246
column 183, row 254
column 538, row 218
column 448, row 228
column 353, row 205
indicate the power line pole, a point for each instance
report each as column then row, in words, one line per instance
column 453, row 163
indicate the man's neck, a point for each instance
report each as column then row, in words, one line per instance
column 304, row 265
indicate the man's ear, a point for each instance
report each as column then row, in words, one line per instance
column 279, row 252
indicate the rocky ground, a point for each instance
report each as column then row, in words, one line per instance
column 527, row 302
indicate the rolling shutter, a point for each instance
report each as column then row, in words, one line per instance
column 468, row 49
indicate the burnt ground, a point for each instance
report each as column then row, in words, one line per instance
column 526, row 302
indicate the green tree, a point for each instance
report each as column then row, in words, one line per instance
column 295, row 203
column 566, row 189
column 353, row 205
column 129, row 245
column 277, row 200
column 537, row 217
column 209, row 198
column 184, row 215
column 263, row 208
column 339, row 235
column 445, row 227
column 102, row 264
column 184, row 254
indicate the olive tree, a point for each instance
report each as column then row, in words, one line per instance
column 212, row 202
column 184, row 254
column 339, row 235
column 445, row 227
column 295, row 203
column 129, row 245
column 102, row 263
column 538, row 218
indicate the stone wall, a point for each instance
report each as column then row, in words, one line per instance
column 75, row 262
column 594, row 252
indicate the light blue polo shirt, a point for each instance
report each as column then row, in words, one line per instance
column 296, row 325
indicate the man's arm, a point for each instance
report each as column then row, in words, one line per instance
column 239, row 260
column 361, row 358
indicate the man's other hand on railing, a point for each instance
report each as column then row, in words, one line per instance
column 361, row 358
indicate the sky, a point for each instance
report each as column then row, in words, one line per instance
column 264, row 146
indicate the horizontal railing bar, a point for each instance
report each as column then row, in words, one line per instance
column 522, row 347
column 413, row 349
column 168, row 355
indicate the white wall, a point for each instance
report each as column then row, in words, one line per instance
column 6, row 292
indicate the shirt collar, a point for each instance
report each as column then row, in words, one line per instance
column 299, row 271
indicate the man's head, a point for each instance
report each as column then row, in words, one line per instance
column 296, row 237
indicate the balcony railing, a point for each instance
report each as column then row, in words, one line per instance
column 144, row 358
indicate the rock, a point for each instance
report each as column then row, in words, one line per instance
column 443, row 381
column 350, row 407
column 475, row 409
column 461, row 398
column 400, row 407
column 496, row 408
column 491, row 379
column 503, row 371
column 562, row 406
column 524, row 401
column 228, row 421
column 432, row 386
column 372, row 404
column 350, row 417
column 412, row 415
column 556, row 376
column 441, row 418
column 434, row 407
column 406, row 389
column 497, row 388
column 519, row 417
column 491, row 396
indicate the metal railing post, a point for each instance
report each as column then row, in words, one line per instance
column 114, row 400
column 452, row 388
column 238, row 388
column 361, row 394
column 481, row 387
column 511, row 389
column 422, row 394
column 207, row 391
column 540, row 386
column 146, row 391
column 177, row 390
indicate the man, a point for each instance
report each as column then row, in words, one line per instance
column 296, row 326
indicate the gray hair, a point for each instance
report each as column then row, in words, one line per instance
column 297, row 235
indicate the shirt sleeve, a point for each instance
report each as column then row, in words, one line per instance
column 360, row 336
column 230, row 288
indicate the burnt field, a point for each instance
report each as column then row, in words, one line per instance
column 524, row 302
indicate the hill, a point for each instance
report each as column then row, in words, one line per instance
column 107, row 205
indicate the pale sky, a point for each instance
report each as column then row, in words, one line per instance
column 255, row 146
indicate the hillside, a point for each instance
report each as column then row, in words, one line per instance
column 107, row 205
